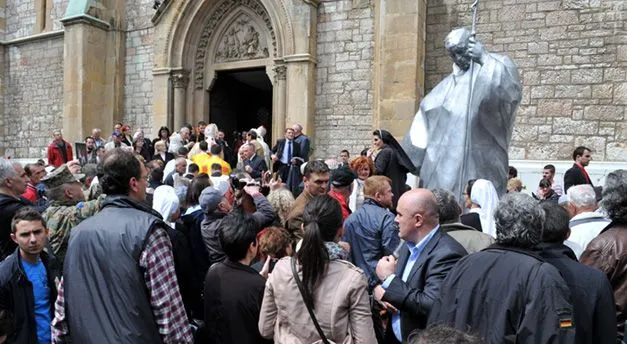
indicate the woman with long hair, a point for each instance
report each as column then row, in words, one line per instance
column 335, row 289
column 163, row 135
column 363, row 168
column 127, row 139
column 390, row 160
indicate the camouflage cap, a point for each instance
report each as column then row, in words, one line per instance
column 60, row 176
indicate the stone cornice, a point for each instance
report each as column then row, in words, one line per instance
column 299, row 58
column 86, row 19
column 32, row 38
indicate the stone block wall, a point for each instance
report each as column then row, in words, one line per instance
column 572, row 57
column 139, row 65
column 57, row 13
column 20, row 17
column 33, row 94
column 344, row 95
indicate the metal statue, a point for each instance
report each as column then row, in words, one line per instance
column 464, row 125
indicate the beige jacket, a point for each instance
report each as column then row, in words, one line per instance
column 341, row 306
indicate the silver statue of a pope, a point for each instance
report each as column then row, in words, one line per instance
column 449, row 129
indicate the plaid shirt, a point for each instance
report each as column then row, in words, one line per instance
column 165, row 298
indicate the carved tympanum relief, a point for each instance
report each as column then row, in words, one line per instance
column 242, row 42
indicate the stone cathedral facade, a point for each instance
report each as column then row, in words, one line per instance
column 338, row 67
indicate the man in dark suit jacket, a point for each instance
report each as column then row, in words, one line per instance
column 411, row 284
column 254, row 164
column 577, row 174
column 593, row 297
column 284, row 153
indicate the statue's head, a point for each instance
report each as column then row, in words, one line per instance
column 456, row 44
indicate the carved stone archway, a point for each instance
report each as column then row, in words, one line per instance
column 195, row 39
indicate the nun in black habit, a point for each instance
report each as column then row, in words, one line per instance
column 390, row 160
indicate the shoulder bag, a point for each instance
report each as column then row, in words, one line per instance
column 301, row 288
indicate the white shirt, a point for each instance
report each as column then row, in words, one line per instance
column 581, row 234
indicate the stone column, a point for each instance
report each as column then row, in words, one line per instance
column 161, row 100
column 301, row 67
column 93, row 70
column 180, row 80
column 399, row 63
column 278, row 98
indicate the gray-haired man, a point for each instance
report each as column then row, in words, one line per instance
column 507, row 293
column 13, row 181
column 585, row 223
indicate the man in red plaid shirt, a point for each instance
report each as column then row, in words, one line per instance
column 119, row 283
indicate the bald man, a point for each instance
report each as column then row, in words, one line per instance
column 410, row 284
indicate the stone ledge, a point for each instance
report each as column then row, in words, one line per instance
column 86, row 19
column 33, row 38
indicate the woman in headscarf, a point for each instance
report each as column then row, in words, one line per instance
column 390, row 160
column 166, row 202
column 483, row 201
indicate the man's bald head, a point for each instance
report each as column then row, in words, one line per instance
column 422, row 201
column 417, row 214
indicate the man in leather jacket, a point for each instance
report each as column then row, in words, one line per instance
column 608, row 251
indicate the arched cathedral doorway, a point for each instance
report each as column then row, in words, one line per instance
column 236, row 61
column 240, row 100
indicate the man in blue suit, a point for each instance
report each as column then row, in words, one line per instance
column 411, row 284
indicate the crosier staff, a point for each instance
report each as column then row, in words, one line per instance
column 471, row 41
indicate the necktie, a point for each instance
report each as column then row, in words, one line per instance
column 289, row 151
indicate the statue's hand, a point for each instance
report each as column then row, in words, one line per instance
column 475, row 50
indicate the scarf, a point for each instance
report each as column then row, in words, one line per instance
column 585, row 173
column 335, row 251
column 62, row 148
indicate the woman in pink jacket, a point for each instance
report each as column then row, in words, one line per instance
column 335, row 288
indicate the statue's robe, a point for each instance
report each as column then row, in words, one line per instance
column 436, row 140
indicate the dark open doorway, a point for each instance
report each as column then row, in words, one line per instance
column 241, row 100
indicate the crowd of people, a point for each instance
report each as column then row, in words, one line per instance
column 189, row 238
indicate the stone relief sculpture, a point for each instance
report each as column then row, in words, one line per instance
column 464, row 125
column 242, row 42
column 223, row 9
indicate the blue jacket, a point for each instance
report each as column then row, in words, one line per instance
column 372, row 234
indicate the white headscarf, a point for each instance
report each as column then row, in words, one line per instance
column 211, row 132
column 484, row 194
column 165, row 202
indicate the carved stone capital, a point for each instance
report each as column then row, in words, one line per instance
column 180, row 79
column 280, row 72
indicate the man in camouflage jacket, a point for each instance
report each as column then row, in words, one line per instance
column 67, row 207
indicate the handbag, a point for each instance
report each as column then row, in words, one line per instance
column 301, row 288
